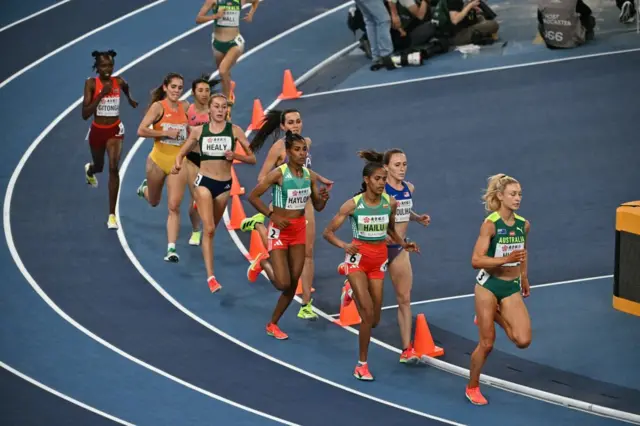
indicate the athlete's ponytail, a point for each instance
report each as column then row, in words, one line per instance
column 99, row 54
column 270, row 124
column 496, row 184
column 159, row 92
column 378, row 157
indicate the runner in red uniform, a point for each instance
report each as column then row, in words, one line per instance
column 102, row 101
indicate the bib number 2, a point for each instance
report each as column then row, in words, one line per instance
column 274, row 233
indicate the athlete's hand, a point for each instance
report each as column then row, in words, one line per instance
column 133, row 103
column 219, row 14
column 411, row 247
column 229, row 155
column 248, row 17
column 516, row 256
column 526, row 288
column 176, row 167
column 279, row 221
column 327, row 182
column 171, row 133
column 324, row 193
column 423, row 219
column 106, row 88
column 351, row 249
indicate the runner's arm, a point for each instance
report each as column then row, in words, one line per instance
column 250, row 158
column 345, row 211
column 254, row 197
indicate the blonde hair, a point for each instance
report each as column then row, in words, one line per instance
column 496, row 184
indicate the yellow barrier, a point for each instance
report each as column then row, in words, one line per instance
column 626, row 287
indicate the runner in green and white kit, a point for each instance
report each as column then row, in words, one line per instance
column 226, row 40
column 293, row 185
column 500, row 255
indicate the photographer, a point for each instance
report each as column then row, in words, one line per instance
column 470, row 23
column 564, row 24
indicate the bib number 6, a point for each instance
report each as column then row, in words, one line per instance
column 353, row 259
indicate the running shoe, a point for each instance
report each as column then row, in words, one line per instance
column 362, row 372
column 343, row 269
column 140, row 190
column 255, row 268
column 112, row 223
column 474, row 395
column 306, row 312
column 172, row 256
column 91, row 180
column 347, row 294
column 274, row 330
column 249, row 224
column 409, row 356
column 214, row 285
column 195, row 238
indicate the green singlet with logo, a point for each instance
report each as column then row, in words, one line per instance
column 294, row 192
column 370, row 223
column 231, row 14
column 507, row 238
column 213, row 145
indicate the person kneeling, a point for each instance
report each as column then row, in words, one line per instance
column 565, row 24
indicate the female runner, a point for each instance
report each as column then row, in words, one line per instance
column 500, row 254
column 197, row 114
column 102, row 101
column 372, row 213
column 216, row 140
column 166, row 121
column 292, row 185
column 226, row 41
column 274, row 122
column 400, row 271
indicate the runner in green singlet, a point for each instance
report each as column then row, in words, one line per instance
column 226, row 40
column 216, row 140
column 372, row 215
column 292, row 186
column 500, row 255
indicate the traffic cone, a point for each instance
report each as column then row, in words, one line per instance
column 236, row 189
column 237, row 213
column 257, row 116
column 289, row 90
column 299, row 288
column 256, row 246
column 423, row 342
column 239, row 151
column 348, row 315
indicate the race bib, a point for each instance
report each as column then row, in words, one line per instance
column 215, row 146
column 352, row 259
column 403, row 210
column 109, row 106
column 297, row 198
column 182, row 134
column 120, row 129
column 504, row 250
column 230, row 17
column 384, row 266
column 274, row 233
column 239, row 40
column 482, row 277
column 373, row 226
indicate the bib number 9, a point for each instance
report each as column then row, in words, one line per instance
column 482, row 277
column 352, row 259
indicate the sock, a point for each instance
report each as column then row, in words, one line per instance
column 362, row 362
column 212, row 276
column 171, row 246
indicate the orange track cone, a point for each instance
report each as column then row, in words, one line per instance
column 257, row 116
column 423, row 342
column 239, row 151
column 299, row 288
column 289, row 90
column 237, row 213
column 349, row 315
column 256, row 246
column 236, row 189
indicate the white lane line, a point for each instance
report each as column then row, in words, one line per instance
column 77, row 40
column 33, row 15
column 63, row 396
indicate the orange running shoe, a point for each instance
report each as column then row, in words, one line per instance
column 409, row 356
column 362, row 372
column 347, row 294
column 474, row 395
column 343, row 269
column 255, row 269
column 214, row 285
column 274, row 330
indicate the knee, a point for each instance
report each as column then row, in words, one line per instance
column 493, row 26
column 174, row 207
column 225, row 72
column 114, row 169
column 522, row 340
column 404, row 299
column 209, row 230
column 368, row 317
column 486, row 345
column 308, row 253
